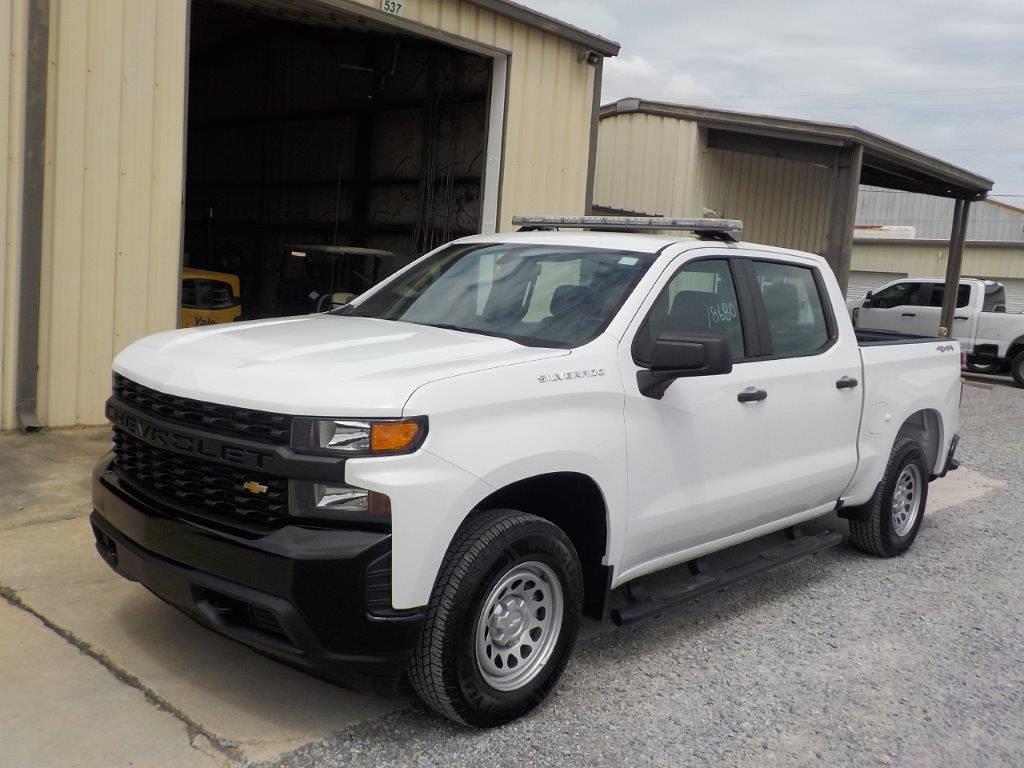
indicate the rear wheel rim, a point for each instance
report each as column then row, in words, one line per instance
column 518, row 626
column 906, row 500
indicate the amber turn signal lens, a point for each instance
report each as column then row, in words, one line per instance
column 391, row 436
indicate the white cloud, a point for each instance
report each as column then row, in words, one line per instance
column 942, row 76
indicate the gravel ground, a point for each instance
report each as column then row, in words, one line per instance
column 841, row 660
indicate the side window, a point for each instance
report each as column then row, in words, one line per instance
column 963, row 296
column 995, row 298
column 899, row 295
column 700, row 298
column 796, row 317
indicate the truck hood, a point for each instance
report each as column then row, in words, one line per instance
column 315, row 365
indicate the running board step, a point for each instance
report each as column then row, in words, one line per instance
column 642, row 605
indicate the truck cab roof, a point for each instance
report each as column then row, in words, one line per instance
column 650, row 243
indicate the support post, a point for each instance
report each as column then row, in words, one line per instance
column 843, row 213
column 26, row 383
column 954, row 263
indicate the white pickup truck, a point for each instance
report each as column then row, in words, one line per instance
column 991, row 338
column 436, row 481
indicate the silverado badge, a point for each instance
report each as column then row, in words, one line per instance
column 254, row 487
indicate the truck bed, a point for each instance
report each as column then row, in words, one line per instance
column 871, row 338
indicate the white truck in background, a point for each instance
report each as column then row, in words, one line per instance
column 991, row 338
column 437, row 480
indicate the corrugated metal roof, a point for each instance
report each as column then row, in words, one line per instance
column 550, row 24
column 932, row 217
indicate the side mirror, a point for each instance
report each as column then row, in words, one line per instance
column 868, row 304
column 332, row 301
column 681, row 355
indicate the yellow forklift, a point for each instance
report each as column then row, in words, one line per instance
column 209, row 298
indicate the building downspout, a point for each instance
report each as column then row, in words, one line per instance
column 26, row 382
column 595, row 118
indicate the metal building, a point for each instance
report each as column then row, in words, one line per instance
column 794, row 183
column 902, row 234
column 140, row 135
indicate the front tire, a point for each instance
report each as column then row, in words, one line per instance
column 502, row 619
column 1017, row 368
column 888, row 524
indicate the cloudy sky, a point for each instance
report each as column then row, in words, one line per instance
column 943, row 76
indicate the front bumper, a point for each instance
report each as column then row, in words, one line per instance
column 311, row 597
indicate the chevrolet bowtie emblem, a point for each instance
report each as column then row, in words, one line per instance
column 253, row 487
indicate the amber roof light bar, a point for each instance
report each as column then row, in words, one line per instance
column 721, row 228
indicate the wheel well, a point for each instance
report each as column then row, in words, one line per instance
column 574, row 503
column 924, row 427
column 1015, row 348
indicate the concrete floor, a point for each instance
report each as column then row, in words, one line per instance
column 95, row 671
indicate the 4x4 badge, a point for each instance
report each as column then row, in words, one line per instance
column 253, row 487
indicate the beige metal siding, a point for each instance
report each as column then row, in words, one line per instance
column 112, row 226
column 649, row 165
column 928, row 259
column 13, row 44
column 661, row 166
column 781, row 202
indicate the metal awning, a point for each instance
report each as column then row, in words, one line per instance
column 885, row 163
column 855, row 156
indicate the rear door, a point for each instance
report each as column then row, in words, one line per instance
column 811, row 374
column 964, row 318
column 894, row 308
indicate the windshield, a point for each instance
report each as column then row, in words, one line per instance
column 539, row 295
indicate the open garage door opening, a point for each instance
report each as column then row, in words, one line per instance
column 324, row 153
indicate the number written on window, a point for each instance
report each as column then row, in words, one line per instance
column 394, row 7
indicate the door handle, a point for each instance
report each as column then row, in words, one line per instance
column 752, row 395
column 846, row 383
column 961, row 317
column 909, row 314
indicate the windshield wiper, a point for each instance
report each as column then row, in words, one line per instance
column 463, row 329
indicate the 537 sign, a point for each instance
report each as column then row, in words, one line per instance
column 394, row 7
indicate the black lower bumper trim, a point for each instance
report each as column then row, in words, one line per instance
column 294, row 596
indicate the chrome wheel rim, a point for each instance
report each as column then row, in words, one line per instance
column 906, row 500
column 518, row 626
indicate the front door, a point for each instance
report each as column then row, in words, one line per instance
column 894, row 308
column 696, row 463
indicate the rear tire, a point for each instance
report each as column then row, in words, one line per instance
column 1017, row 369
column 502, row 620
column 989, row 369
column 888, row 524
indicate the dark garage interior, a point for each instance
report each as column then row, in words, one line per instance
column 310, row 134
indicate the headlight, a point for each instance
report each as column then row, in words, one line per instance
column 337, row 501
column 358, row 437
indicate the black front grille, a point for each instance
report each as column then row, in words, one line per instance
column 202, row 487
column 226, row 420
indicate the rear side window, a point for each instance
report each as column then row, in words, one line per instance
column 796, row 317
column 700, row 299
column 995, row 298
column 963, row 296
